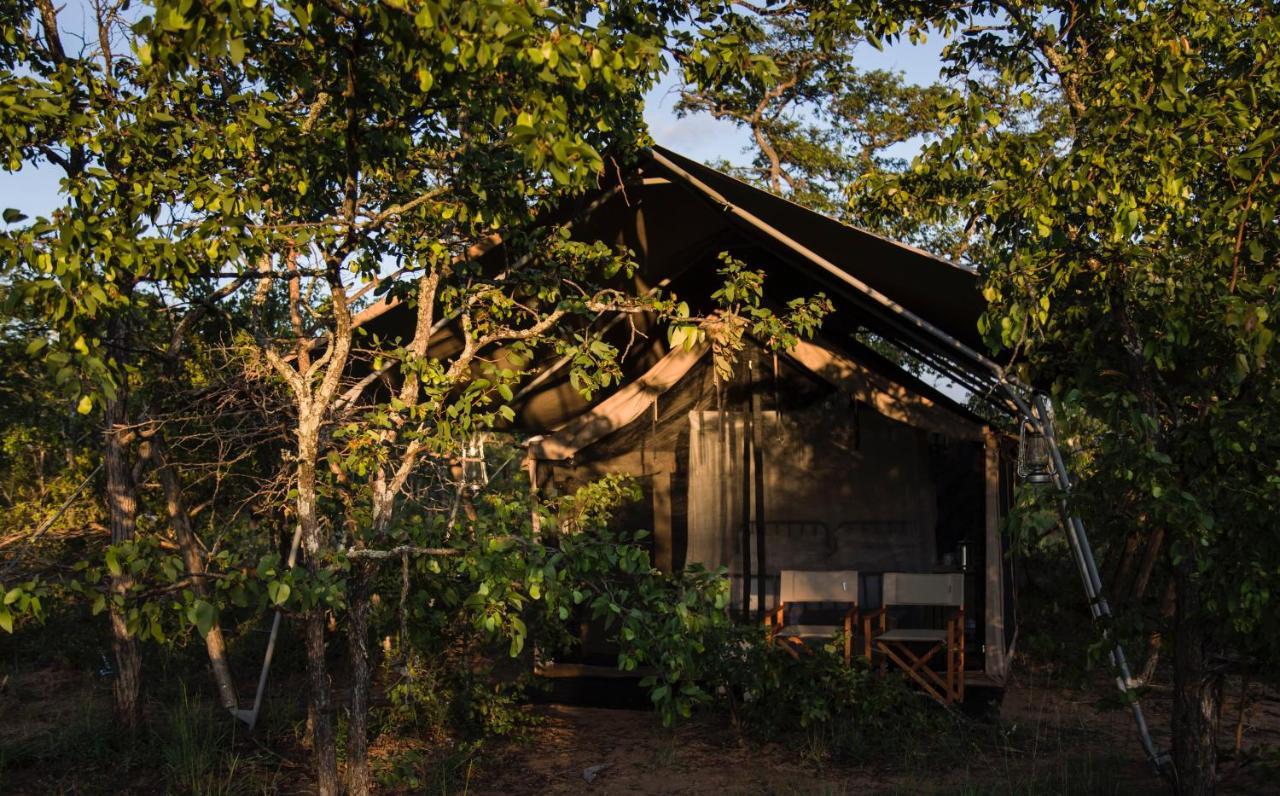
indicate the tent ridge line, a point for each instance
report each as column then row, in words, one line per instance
column 831, row 268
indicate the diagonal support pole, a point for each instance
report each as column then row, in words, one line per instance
column 250, row 717
column 1040, row 416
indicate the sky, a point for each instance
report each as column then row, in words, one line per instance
column 703, row 138
column 34, row 191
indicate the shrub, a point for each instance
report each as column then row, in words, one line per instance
column 813, row 700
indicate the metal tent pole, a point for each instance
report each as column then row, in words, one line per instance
column 250, row 717
column 1040, row 416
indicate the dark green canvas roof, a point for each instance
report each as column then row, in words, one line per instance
column 677, row 215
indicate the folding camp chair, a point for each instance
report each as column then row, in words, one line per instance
column 798, row 588
column 913, row 648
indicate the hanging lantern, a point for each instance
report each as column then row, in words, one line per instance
column 1034, row 465
column 474, row 472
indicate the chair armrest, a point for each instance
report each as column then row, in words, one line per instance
column 870, row 617
column 867, row 632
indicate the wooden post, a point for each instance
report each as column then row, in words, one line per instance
column 758, row 464
column 722, row 468
column 994, row 661
column 535, row 520
column 747, row 434
column 662, row 543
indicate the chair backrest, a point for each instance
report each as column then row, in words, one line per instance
column 819, row 587
column 908, row 588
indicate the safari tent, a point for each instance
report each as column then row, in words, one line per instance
column 833, row 456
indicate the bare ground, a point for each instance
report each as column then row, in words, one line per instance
column 1054, row 741
column 1048, row 739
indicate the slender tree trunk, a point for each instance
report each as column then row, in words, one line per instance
column 1195, row 694
column 320, row 707
column 359, row 781
column 122, row 506
column 321, row 703
column 180, row 519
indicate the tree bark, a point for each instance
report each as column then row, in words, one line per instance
column 122, row 506
column 321, row 702
column 320, row 707
column 1195, row 694
column 359, row 781
column 180, row 519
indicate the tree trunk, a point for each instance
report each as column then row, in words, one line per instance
column 194, row 560
column 359, row 782
column 1195, row 694
column 122, row 506
column 321, row 702
column 320, row 707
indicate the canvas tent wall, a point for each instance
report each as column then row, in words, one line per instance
column 855, row 471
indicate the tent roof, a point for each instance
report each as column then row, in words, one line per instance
column 676, row 215
column 946, row 295
column 921, row 302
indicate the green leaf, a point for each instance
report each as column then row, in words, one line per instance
column 278, row 591
column 12, row 216
column 202, row 615
column 12, row 595
column 6, row 620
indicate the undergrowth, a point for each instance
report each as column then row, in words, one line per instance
column 815, row 704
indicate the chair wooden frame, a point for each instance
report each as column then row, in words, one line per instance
column 900, row 647
column 805, row 587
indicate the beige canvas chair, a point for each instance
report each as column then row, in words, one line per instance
column 799, row 587
column 913, row 648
